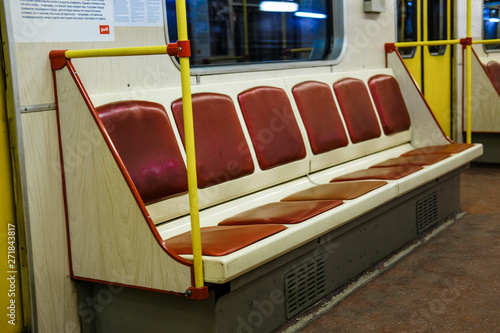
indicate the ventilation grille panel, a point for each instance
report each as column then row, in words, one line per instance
column 427, row 212
column 304, row 285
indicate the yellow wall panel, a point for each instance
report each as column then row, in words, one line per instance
column 437, row 88
column 414, row 65
column 10, row 286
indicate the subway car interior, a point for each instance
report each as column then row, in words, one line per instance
column 249, row 166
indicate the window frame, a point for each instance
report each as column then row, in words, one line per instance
column 334, row 57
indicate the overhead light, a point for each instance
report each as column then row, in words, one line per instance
column 310, row 15
column 494, row 15
column 279, row 6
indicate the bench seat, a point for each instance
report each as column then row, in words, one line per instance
column 222, row 269
column 226, row 268
column 309, row 210
column 267, row 152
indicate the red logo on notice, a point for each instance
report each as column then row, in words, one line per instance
column 104, row 29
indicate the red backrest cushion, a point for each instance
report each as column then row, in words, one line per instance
column 272, row 126
column 493, row 69
column 356, row 107
column 143, row 137
column 222, row 153
column 390, row 104
column 320, row 116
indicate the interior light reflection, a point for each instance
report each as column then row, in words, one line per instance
column 310, row 15
column 278, row 6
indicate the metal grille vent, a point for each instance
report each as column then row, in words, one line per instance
column 304, row 285
column 427, row 212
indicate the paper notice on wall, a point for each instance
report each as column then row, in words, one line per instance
column 138, row 12
column 62, row 20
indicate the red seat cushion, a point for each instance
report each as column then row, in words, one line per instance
column 452, row 148
column 389, row 103
column 386, row 173
column 336, row 191
column 282, row 212
column 493, row 69
column 320, row 116
column 219, row 241
column 143, row 137
column 222, row 152
column 412, row 160
column 272, row 126
column 357, row 109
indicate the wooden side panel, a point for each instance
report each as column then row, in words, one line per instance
column 110, row 238
column 485, row 100
column 55, row 293
column 425, row 129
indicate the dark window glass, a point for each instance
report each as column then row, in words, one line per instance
column 225, row 32
column 491, row 26
column 437, row 24
column 407, row 25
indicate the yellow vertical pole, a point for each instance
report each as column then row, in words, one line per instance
column 245, row 27
column 416, row 63
column 469, row 75
column 403, row 26
column 190, row 148
column 283, row 33
column 448, row 19
column 419, row 20
column 425, row 26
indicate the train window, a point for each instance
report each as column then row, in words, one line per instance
column 491, row 26
column 437, row 25
column 239, row 32
column 407, row 26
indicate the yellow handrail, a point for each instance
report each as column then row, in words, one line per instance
column 245, row 26
column 428, row 43
column 225, row 58
column 468, row 66
column 162, row 49
column 116, row 52
column 301, row 49
column 486, row 41
column 190, row 148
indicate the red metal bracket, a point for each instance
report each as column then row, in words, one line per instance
column 390, row 47
column 181, row 48
column 57, row 59
column 197, row 293
column 466, row 41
